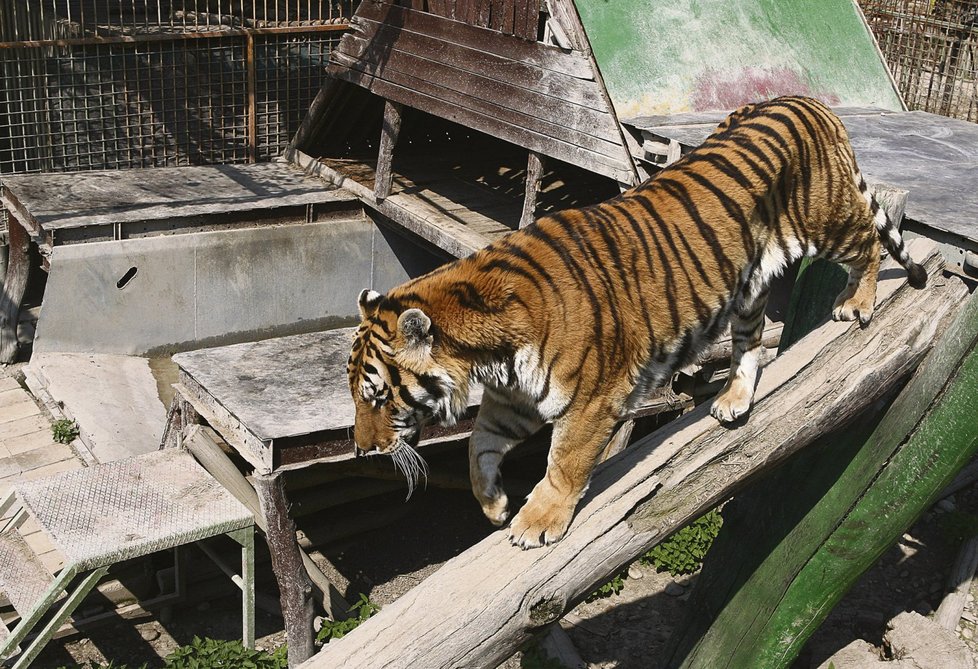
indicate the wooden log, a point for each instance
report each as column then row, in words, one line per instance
column 481, row 606
column 793, row 571
column 14, row 286
column 534, row 173
column 959, row 585
column 295, row 587
column 385, row 156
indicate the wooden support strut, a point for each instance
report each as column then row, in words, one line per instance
column 295, row 587
column 14, row 286
column 534, row 174
column 385, row 156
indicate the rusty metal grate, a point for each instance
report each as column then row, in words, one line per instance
column 105, row 84
column 122, row 83
column 931, row 47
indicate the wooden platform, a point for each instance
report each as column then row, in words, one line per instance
column 281, row 402
column 459, row 203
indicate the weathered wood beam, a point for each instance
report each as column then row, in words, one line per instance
column 534, row 174
column 385, row 157
column 14, row 286
column 202, row 443
column 295, row 587
column 481, row 606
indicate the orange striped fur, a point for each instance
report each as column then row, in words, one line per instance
column 575, row 318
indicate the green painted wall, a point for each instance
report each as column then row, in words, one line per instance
column 672, row 56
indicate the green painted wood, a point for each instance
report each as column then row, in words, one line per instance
column 694, row 55
column 816, row 286
column 794, row 543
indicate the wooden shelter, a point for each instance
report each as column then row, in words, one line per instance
column 463, row 119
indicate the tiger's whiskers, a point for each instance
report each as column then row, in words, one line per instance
column 410, row 463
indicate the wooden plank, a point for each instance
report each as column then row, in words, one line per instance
column 534, row 172
column 295, row 587
column 542, row 114
column 385, row 156
column 437, row 7
column 377, row 42
column 496, row 14
column 527, row 19
column 483, row 10
column 615, row 169
column 544, row 56
column 564, row 14
column 503, row 595
column 411, row 70
column 445, row 233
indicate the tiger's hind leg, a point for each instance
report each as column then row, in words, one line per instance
column 499, row 427
column 746, row 330
column 858, row 298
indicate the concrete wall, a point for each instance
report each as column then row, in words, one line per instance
column 211, row 288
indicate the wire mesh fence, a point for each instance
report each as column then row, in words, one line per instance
column 931, row 47
column 106, row 84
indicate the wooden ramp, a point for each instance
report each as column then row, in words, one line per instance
column 483, row 605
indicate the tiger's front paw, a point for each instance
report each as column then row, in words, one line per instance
column 732, row 403
column 539, row 523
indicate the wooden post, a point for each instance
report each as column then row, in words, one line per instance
column 295, row 587
column 18, row 267
column 385, row 155
column 801, row 538
column 534, row 173
column 204, row 447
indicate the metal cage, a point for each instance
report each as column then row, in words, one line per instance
column 931, row 47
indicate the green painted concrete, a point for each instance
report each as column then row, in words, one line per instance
column 674, row 56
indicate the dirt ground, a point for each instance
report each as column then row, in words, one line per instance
column 624, row 631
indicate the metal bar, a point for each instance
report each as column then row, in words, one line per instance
column 66, row 609
column 246, row 537
column 252, row 101
column 174, row 37
column 27, row 622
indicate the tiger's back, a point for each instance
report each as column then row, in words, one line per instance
column 575, row 318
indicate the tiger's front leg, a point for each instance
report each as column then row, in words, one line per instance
column 499, row 427
column 746, row 331
column 578, row 440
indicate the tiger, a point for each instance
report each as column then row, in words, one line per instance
column 574, row 319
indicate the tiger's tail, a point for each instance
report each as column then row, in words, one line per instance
column 892, row 240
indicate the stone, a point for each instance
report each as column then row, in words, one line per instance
column 946, row 504
column 857, row 655
column 674, row 589
column 149, row 633
column 930, row 646
column 635, row 572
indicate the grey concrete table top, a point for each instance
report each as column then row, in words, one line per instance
column 71, row 200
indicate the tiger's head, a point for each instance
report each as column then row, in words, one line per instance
column 397, row 383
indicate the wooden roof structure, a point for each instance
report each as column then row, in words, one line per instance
column 558, row 82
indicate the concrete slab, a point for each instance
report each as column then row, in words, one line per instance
column 113, row 398
column 180, row 292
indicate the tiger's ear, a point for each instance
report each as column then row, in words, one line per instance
column 368, row 302
column 415, row 327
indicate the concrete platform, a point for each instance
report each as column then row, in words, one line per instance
column 113, row 398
